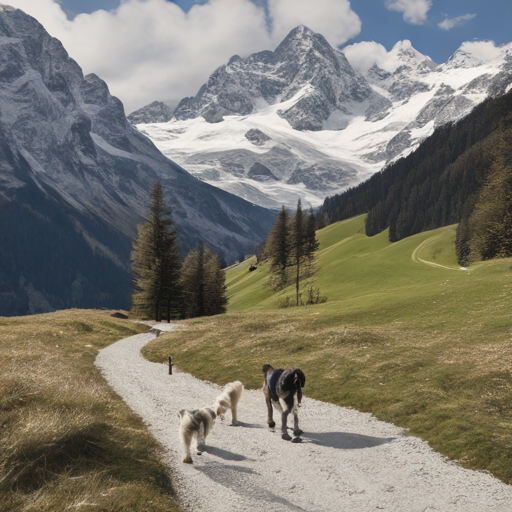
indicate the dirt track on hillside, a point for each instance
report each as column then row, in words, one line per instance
column 348, row 461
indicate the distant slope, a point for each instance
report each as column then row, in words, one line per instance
column 433, row 186
column 355, row 267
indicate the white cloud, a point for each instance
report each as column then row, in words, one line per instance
column 334, row 19
column 482, row 51
column 364, row 55
column 415, row 11
column 150, row 50
column 448, row 23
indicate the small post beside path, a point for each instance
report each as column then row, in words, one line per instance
column 170, row 365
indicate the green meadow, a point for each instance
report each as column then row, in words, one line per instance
column 405, row 334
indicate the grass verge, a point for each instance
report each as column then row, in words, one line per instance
column 67, row 441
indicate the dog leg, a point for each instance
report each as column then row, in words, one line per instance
column 186, row 439
column 270, row 419
column 296, row 430
column 201, row 441
column 284, row 427
column 234, row 419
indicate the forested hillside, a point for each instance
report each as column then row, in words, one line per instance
column 435, row 186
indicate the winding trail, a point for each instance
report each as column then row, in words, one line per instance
column 348, row 461
column 417, row 259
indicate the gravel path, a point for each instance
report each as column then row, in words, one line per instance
column 348, row 461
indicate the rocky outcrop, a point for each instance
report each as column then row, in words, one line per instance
column 156, row 112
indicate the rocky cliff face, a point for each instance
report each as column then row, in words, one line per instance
column 75, row 178
column 314, row 122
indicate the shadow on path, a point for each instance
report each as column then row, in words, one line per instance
column 241, row 481
column 345, row 440
column 225, row 454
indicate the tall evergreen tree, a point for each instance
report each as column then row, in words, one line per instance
column 277, row 247
column 156, row 261
column 311, row 243
column 203, row 283
column 462, row 243
column 298, row 245
column 215, row 300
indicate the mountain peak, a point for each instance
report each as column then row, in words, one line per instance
column 405, row 52
column 301, row 39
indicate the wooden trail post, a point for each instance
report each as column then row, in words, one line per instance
column 170, row 365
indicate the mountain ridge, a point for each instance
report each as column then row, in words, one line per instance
column 319, row 140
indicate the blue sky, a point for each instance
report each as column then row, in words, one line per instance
column 492, row 20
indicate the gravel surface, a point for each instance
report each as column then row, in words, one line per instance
column 348, row 461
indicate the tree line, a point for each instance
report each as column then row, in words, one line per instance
column 437, row 185
column 290, row 247
column 164, row 286
column 485, row 230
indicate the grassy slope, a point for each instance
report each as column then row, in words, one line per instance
column 422, row 346
column 67, row 441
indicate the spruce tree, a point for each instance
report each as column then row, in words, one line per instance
column 277, row 247
column 203, row 283
column 311, row 243
column 215, row 300
column 156, row 261
column 298, row 245
column 462, row 242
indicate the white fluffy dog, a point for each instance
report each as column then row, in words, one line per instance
column 228, row 399
column 199, row 422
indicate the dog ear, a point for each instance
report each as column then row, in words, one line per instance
column 301, row 377
column 181, row 413
column 299, row 380
column 288, row 382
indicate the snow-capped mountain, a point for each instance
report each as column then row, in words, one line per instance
column 75, row 178
column 302, row 122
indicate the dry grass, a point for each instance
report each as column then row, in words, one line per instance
column 453, row 390
column 67, row 441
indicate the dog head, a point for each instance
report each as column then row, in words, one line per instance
column 267, row 367
column 221, row 406
column 294, row 381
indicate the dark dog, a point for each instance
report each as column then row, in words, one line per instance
column 283, row 390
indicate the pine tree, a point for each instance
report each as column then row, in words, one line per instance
column 277, row 247
column 215, row 287
column 297, row 245
column 156, row 261
column 311, row 243
column 462, row 242
column 203, row 283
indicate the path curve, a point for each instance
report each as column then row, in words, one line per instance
column 349, row 461
column 417, row 259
